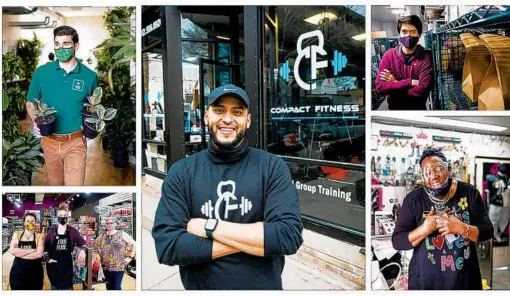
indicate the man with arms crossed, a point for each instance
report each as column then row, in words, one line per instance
column 405, row 72
column 64, row 85
column 228, row 214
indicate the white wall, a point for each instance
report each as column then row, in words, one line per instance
column 90, row 29
column 475, row 145
column 10, row 35
column 92, row 33
column 389, row 27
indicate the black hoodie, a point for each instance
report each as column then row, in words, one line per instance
column 258, row 187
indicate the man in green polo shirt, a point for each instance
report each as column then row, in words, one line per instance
column 64, row 85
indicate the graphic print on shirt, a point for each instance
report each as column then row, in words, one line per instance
column 25, row 245
column 243, row 204
column 61, row 244
column 449, row 255
column 78, row 84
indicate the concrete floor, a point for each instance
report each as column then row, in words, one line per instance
column 501, row 280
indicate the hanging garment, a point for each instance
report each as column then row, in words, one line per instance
column 499, row 217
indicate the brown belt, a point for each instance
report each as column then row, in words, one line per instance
column 67, row 137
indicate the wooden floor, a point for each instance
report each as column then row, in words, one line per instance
column 100, row 170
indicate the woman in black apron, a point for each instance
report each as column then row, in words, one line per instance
column 59, row 245
column 60, row 266
column 27, row 270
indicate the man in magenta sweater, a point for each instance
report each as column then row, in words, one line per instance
column 405, row 72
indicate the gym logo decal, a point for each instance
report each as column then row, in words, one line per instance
column 78, row 84
column 226, row 197
column 310, row 52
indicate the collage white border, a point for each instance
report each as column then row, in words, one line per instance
column 138, row 188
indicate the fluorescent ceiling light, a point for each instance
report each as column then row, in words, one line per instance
column 223, row 37
column 360, row 37
column 190, row 59
column 410, row 117
column 316, row 19
column 473, row 125
column 398, row 10
column 445, row 122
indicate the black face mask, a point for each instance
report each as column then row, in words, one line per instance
column 62, row 220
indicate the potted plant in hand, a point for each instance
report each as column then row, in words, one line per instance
column 45, row 120
column 91, row 112
column 96, row 123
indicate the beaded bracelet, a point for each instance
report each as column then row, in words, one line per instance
column 467, row 231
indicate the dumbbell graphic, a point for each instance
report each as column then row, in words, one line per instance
column 245, row 206
column 207, row 208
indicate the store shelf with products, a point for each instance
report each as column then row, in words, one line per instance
column 17, row 223
column 7, row 232
column 120, row 207
column 48, row 219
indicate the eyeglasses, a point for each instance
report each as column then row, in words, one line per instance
column 433, row 170
column 109, row 223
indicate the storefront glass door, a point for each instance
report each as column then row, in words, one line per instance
column 212, row 74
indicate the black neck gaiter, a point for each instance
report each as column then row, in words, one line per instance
column 218, row 155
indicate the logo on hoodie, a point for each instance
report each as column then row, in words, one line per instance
column 243, row 204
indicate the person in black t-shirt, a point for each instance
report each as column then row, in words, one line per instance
column 441, row 221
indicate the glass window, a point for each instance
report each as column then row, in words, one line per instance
column 207, row 58
column 314, row 78
column 154, row 113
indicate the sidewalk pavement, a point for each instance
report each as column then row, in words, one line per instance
column 296, row 276
column 155, row 276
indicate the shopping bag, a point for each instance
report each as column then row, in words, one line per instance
column 46, row 281
column 494, row 91
column 476, row 63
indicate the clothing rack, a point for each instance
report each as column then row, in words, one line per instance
column 89, row 284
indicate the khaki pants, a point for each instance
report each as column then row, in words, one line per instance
column 65, row 161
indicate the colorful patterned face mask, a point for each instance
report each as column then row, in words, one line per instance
column 29, row 225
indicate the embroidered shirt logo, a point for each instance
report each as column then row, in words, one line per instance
column 226, row 197
column 78, row 84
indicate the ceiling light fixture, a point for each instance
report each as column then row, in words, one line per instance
column 398, row 10
column 445, row 122
column 360, row 37
column 188, row 59
column 321, row 18
column 473, row 125
column 223, row 37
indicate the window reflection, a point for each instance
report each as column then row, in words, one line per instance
column 325, row 121
column 332, row 194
